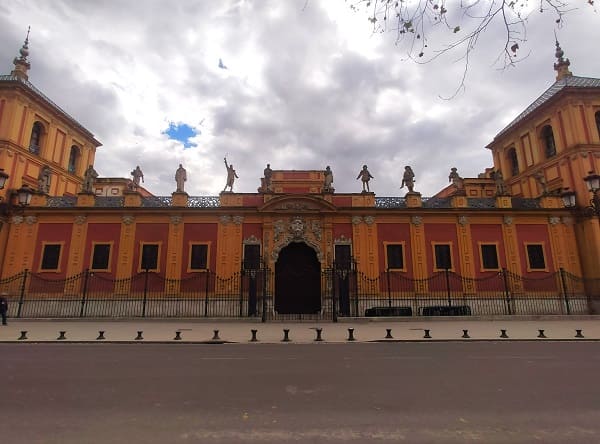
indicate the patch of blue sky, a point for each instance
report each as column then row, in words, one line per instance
column 182, row 132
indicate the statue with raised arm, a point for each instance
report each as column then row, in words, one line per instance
column 365, row 176
column 408, row 179
column 180, row 178
column 456, row 180
column 328, row 180
column 231, row 176
column 137, row 176
column 44, row 179
column 89, row 177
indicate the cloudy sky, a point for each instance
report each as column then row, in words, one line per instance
column 299, row 84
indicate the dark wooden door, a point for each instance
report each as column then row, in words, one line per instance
column 297, row 280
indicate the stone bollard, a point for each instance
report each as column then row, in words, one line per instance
column 351, row 334
column 61, row 335
column 139, row 336
column 427, row 335
column 319, row 331
column 286, row 337
column 388, row 333
column 216, row 335
column 177, row 336
column 578, row 334
column 466, row 334
column 503, row 334
column 253, row 339
column 23, row 335
column 541, row 334
column 100, row 336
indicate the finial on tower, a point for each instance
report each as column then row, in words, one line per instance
column 562, row 65
column 21, row 63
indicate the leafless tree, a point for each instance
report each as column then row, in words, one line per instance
column 427, row 29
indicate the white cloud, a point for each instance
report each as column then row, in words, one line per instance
column 307, row 85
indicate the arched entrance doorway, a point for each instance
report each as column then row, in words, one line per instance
column 297, row 280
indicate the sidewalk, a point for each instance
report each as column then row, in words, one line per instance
column 364, row 330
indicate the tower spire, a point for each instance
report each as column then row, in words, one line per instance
column 21, row 63
column 562, row 65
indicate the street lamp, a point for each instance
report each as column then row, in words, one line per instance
column 23, row 195
column 592, row 182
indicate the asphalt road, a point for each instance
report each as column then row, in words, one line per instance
column 484, row 392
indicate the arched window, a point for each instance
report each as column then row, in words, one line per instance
column 513, row 161
column 73, row 159
column 548, row 139
column 598, row 122
column 36, row 137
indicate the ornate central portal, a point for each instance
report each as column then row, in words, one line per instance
column 297, row 280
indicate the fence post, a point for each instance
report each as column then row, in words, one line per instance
column 206, row 287
column 22, row 293
column 241, row 291
column 86, row 276
column 145, row 293
column 448, row 287
column 333, row 300
column 264, row 295
column 506, row 291
column 389, row 288
column 564, row 289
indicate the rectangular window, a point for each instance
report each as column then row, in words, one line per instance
column 489, row 257
column 149, row 257
column 101, row 257
column 343, row 257
column 443, row 258
column 535, row 257
column 251, row 256
column 198, row 257
column 395, row 256
column 51, row 257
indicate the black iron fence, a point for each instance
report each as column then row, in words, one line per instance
column 344, row 293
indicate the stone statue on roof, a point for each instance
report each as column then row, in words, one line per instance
column 541, row 179
column 231, row 176
column 180, row 179
column 44, row 179
column 408, row 179
column 328, row 180
column 456, row 180
column 137, row 175
column 499, row 181
column 365, row 176
column 89, row 178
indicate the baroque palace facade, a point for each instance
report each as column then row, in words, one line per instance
column 500, row 239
